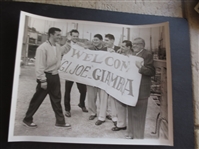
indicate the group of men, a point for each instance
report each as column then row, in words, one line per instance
column 48, row 59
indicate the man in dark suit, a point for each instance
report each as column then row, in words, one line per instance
column 137, row 114
column 74, row 35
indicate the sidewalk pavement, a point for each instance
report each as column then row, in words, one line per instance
column 82, row 127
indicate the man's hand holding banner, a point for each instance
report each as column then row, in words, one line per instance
column 115, row 73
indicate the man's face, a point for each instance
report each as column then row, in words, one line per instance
column 56, row 36
column 124, row 47
column 108, row 42
column 96, row 41
column 74, row 36
column 138, row 45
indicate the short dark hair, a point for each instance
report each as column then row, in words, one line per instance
column 110, row 36
column 52, row 30
column 74, row 31
column 98, row 36
column 128, row 43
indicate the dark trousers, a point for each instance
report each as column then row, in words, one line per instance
column 53, row 89
column 82, row 90
column 137, row 118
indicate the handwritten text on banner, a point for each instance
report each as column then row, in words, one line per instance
column 115, row 73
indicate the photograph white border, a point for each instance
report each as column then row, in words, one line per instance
column 12, row 138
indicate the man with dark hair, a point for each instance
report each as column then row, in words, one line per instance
column 74, row 35
column 74, row 31
column 137, row 114
column 48, row 61
column 111, row 113
column 52, row 30
column 98, row 36
column 109, row 41
column 97, row 43
column 126, row 44
column 110, row 36
column 126, row 49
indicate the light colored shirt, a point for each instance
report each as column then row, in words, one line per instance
column 111, row 49
column 72, row 43
column 55, row 50
column 47, row 61
column 126, row 53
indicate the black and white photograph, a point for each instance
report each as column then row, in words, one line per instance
column 91, row 82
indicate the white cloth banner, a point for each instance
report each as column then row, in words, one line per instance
column 115, row 73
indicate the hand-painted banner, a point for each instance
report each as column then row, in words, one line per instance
column 115, row 73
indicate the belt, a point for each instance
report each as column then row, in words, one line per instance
column 51, row 73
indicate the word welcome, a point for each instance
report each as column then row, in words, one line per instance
column 112, row 72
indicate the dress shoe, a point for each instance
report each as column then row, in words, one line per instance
column 118, row 128
column 109, row 117
column 92, row 117
column 63, row 125
column 83, row 108
column 68, row 114
column 29, row 124
column 99, row 122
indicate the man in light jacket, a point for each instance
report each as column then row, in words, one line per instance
column 48, row 61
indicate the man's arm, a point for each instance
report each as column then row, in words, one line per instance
column 40, row 64
column 147, row 68
column 65, row 48
column 119, row 51
column 110, row 50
